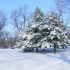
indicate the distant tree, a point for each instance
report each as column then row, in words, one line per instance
column 2, row 42
column 7, row 41
column 62, row 6
column 3, row 19
column 11, row 41
column 20, row 17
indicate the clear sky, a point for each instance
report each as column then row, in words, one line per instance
column 10, row 5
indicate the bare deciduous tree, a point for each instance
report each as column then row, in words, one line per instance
column 3, row 19
column 61, row 6
column 7, row 41
column 12, row 41
column 15, row 16
column 19, row 17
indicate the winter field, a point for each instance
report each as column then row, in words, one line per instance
column 15, row 59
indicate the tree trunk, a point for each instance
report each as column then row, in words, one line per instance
column 36, row 49
column 43, row 49
column 63, row 47
column 54, row 48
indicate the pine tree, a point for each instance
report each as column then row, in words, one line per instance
column 38, row 15
column 44, row 31
column 58, row 32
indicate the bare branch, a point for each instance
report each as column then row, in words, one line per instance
column 14, row 16
column 2, row 20
column 19, row 17
column 61, row 6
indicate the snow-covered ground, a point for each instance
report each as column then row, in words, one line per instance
column 15, row 59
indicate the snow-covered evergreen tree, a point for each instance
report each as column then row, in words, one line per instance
column 44, row 31
column 38, row 15
column 58, row 35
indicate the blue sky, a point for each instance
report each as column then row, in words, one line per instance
column 10, row 5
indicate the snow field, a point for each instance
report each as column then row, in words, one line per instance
column 15, row 59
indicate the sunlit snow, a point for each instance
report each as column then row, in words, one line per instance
column 15, row 59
